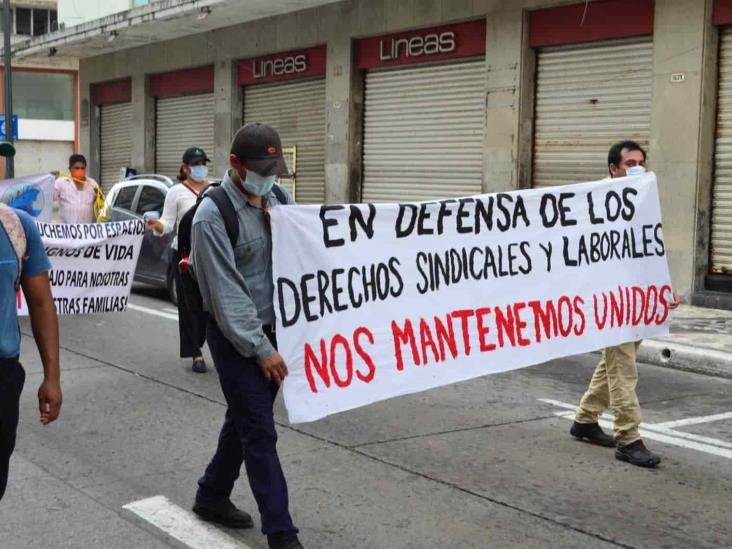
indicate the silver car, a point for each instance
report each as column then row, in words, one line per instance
column 130, row 199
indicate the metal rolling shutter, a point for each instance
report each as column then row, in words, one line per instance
column 423, row 132
column 589, row 96
column 182, row 122
column 297, row 111
column 115, row 142
column 721, row 247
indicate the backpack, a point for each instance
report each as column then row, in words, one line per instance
column 189, row 285
column 16, row 234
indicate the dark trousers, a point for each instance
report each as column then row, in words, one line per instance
column 12, row 378
column 191, row 326
column 248, row 436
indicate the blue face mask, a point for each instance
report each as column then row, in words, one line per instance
column 258, row 185
column 199, row 173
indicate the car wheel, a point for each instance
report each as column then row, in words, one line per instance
column 172, row 290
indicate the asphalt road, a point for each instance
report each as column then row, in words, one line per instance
column 484, row 463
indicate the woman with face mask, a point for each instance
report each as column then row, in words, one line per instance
column 180, row 198
column 76, row 193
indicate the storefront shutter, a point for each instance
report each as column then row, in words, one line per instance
column 297, row 111
column 182, row 122
column 115, row 129
column 589, row 96
column 423, row 132
column 721, row 247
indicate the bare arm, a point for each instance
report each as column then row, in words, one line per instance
column 37, row 290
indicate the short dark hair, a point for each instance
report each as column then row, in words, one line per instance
column 615, row 155
column 74, row 158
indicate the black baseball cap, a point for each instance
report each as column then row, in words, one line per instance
column 260, row 146
column 7, row 149
column 194, row 154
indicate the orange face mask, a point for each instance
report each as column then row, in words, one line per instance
column 78, row 173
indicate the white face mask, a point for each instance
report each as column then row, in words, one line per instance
column 199, row 173
column 635, row 170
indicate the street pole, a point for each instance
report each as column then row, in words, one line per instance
column 8, row 83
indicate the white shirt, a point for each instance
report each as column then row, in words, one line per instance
column 75, row 205
column 178, row 201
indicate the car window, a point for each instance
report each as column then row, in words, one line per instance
column 124, row 198
column 151, row 200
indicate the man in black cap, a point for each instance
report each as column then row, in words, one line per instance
column 237, row 291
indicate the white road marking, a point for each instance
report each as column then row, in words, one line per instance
column 659, row 432
column 172, row 310
column 181, row 525
column 689, row 436
column 153, row 312
column 695, row 420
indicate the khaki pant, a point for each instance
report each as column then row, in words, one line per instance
column 613, row 386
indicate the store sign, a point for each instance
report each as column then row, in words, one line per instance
column 453, row 41
column 3, row 133
column 283, row 66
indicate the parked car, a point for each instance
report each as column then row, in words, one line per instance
column 130, row 199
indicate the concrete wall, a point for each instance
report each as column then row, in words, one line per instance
column 682, row 43
column 682, row 117
column 75, row 12
column 32, row 157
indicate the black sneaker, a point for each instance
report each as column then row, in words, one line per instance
column 284, row 541
column 636, row 453
column 225, row 514
column 591, row 432
column 199, row 366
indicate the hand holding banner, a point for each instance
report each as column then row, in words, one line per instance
column 376, row 301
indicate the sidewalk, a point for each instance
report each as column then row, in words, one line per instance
column 700, row 341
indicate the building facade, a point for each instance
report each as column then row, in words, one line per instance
column 45, row 95
column 76, row 12
column 387, row 101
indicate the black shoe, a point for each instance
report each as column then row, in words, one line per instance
column 225, row 514
column 199, row 366
column 284, row 541
column 636, row 453
column 591, row 432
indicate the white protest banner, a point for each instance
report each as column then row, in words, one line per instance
column 33, row 194
column 376, row 301
column 92, row 265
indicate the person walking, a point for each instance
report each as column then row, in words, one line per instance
column 77, row 194
column 180, row 199
column 615, row 378
column 23, row 263
column 237, row 291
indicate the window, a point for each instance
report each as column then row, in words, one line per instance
column 124, row 198
column 43, row 96
column 2, row 23
column 53, row 20
column 23, row 21
column 40, row 22
column 151, row 200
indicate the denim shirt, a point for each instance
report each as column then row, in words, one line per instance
column 236, row 284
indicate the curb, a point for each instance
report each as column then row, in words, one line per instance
column 700, row 360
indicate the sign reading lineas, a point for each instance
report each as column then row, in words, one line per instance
column 420, row 46
column 376, row 301
column 283, row 66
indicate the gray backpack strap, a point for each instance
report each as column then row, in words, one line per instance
column 16, row 234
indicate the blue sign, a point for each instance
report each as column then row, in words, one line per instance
column 3, row 136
